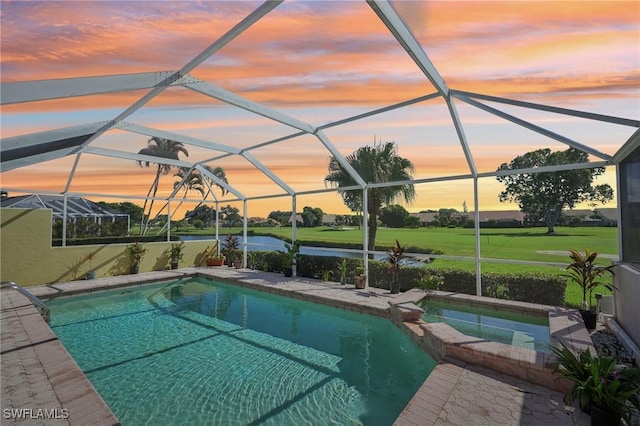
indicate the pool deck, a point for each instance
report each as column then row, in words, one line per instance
column 39, row 374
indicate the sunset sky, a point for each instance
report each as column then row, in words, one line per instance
column 322, row 61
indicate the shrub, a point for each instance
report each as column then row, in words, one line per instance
column 535, row 288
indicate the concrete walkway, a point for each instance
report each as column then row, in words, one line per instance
column 38, row 373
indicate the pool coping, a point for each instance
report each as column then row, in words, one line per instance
column 370, row 301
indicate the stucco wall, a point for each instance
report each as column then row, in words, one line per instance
column 27, row 258
column 627, row 300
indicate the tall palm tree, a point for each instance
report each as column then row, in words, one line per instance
column 375, row 164
column 187, row 180
column 193, row 180
column 220, row 174
column 163, row 148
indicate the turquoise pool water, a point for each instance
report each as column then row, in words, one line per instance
column 515, row 329
column 205, row 353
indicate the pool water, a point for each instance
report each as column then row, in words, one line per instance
column 515, row 329
column 200, row 352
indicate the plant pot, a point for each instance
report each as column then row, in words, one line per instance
column 91, row 275
column 360, row 281
column 288, row 272
column 590, row 319
column 238, row 264
column 600, row 417
column 215, row 262
column 135, row 269
column 174, row 265
column 395, row 287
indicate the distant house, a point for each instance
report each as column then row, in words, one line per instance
column 80, row 212
column 501, row 217
column 77, row 207
column 262, row 222
column 585, row 215
column 425, row 218
column 299, row 220
column 328, row 219
column 608, row 216
column 597, row 217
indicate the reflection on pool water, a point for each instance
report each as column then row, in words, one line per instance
column 515, row 329
column 201, row 352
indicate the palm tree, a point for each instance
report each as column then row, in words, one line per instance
column 193, row 180
column 187, row 180
column 219, row 173
column 163, row 148
column 375, row 164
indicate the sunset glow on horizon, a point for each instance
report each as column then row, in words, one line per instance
column 320, row 62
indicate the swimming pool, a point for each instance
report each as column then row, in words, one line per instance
column 527, row 331
column 202, row 352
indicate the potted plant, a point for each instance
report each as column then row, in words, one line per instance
column 586, row 274
column 360, row 279
column 602, row 388
column 231, row 246
column 176, row 253
column 394, row 256
column 343, row 269
column 212, row 258
column 136, row 253
column 291, row 257
column 91, row 274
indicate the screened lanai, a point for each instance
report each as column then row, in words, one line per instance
column 269, row 92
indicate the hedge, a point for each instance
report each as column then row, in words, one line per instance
column 535, row 288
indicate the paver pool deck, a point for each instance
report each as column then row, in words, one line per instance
column 38, row 374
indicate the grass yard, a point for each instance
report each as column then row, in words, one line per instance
column 508, row 243
column 529, row 244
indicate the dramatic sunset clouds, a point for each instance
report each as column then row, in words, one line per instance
column 322, row 61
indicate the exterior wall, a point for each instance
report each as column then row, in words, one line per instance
column 627, row 299
column 27, row 258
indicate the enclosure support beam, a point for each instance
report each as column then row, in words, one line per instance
column 244, row 233
column 64, row 220
column 218, row 226
column 365, row 230
column 476, row 227
column 294, row 224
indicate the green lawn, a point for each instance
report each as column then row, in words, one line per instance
column 531, row 244
column 510, row 243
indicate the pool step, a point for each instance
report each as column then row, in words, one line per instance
column 522, row 340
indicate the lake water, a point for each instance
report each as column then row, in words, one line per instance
column 262, row 243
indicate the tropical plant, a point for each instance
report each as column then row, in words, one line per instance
column 598, row 381
column 292, row 255
column 326, row 274
column 545, row 195
column 161, row 148
column 343, row 269
column 211, row 257
column 394, row 257
column 176, row 252
column 136, row 253
column 375, row 164
column 586, row 274
column 231, row 248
